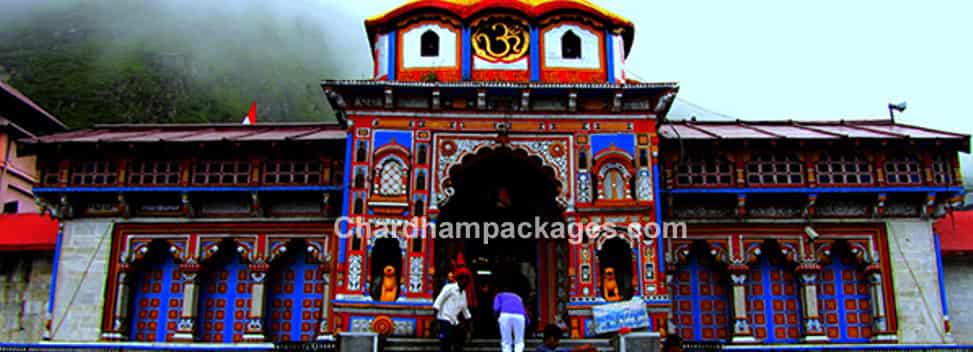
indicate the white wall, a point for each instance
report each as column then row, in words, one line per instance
column 83, row 242
column 916, row 281
column 382, row 55
column 411, row 47
column 958, row 273
column 590, row 48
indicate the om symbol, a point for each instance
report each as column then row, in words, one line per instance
column 500, row 41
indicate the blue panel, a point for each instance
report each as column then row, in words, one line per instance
column 224, row 302
column 942, row 281
column 700, row 307
column 57, row 259
column 621, row 141
column 157, row 301
column 845, row 301
column 658, row 219
column 773, row 302
column 535, row 55
column 466, row 56
column 345, row 199
column 403, row 138
column 610, row 56
column 393, row 54
column 296, row 290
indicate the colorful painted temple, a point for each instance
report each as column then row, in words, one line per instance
column 485, row 110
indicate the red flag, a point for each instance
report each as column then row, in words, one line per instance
column 251, row 117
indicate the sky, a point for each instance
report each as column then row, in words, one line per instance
column 771, row 59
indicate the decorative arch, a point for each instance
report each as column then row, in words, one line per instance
column 615, row 253
column 429, row 46
column 773, row 299
column 384, row 252
column 570, row 45
column 844, row 295
column 224, row 300
column 156, row 292
column 391, row 176
column 297, row 284
column 700, row 297
column 613, row 175
column 549, row 156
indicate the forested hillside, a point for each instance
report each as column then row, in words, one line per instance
column 90, row 61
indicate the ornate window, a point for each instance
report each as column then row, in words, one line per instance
column 614, row 184
column 942, row 171
column 157, row 298
column 570, row 45
column 392, row 178
column 704, row 172
column 221, row 172
column 614, row 179
column 700, row 304
column 844, row 169
column 845, row 300
column 773, row 304
column 775, row 169
column 291, row 172
column 95, row 173
column 154, row 172
column 430, row 44
column 51, row 174
column 903, row 169
column 224, row 302
column 294, row 304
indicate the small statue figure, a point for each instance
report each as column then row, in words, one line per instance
column 609, row 285
column 390, row 284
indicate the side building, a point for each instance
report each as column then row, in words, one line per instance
column 27, row 238
column 217, row 233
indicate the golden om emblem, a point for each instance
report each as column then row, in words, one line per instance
column 500, row 41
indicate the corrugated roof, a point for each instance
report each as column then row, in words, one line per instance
column 183, row 133
column 817, row 130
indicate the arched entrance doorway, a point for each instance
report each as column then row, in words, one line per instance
column 496, row 187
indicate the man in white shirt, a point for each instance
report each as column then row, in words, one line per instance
column 450, row 303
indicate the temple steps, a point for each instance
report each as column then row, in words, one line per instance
column 408, row 344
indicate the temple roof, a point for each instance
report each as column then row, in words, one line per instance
column 532, row 8
column 198, row 133
column 25, row 116
column 465, row 9
column 803, row 130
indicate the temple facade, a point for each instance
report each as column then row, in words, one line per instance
column 486, row 111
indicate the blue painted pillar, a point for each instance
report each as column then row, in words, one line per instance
column 535, row 55
column 393, row 54
column 466, row 56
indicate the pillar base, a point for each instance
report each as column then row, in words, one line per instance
column 885, row 338
column 744, row 339
column 358, row 342
column 815, row 339
column 182, row 337
column 254, row 337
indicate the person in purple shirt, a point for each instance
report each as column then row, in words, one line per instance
column 512, row 317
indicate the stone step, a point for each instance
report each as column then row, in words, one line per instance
column 407, row 344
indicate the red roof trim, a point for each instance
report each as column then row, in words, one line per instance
column 33, row 232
